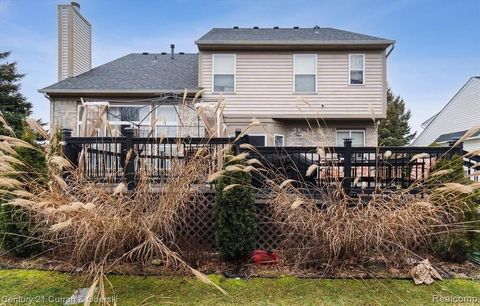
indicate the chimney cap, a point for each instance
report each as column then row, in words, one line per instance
column 76, row 4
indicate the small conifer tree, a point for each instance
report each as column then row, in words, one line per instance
column 234, row 214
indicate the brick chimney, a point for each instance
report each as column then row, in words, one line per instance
column 74, row 41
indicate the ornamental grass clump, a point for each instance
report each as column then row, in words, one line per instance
column 94, row 226
column 321, row 225
column 337, row 229
column 17, row 233
column 464, row 240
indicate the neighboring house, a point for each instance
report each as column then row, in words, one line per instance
column 291, row 79
column 460, row 114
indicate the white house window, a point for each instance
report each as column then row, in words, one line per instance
column 224, row 72
column 358, row 137
column 257, row 140
column 135, row 116
column 81, row 122
column 279, row 140
column 305, row 76
column 166, row 121
column 87, row 116
column 357, row 68
column 130, row 114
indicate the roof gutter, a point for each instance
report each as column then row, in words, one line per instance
column 296, row 42
column 114, row 91
column 286, row 46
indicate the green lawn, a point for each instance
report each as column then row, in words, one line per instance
column 41, row 286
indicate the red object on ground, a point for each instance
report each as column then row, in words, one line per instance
column 264, row 257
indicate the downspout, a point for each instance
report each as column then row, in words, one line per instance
column 52, row 110
column 385, row 78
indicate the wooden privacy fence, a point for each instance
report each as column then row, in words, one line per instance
column 365, row 169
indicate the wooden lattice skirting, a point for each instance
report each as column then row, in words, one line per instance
column 198, row 234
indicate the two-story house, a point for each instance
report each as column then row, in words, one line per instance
column 307, row 86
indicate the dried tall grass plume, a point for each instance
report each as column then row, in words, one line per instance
column 328, row 228
column 90, row 224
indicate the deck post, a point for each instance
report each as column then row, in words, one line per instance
column 245, row 139
column 238, row 141
column 69, row 150
column 128, row 153
column 347, row 167
column 458, row 148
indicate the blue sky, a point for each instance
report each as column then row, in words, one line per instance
column 437, row 50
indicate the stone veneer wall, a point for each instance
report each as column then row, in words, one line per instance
column 325, row 136
column 64, row 115
column 371, row 137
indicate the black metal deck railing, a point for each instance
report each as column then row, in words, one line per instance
column 471, row 164
column 357, row 169
column 115, row 159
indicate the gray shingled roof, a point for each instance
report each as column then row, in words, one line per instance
column 135, row 72
column 450, row 136
column 321, row 36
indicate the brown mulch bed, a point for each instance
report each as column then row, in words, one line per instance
column 211, row 264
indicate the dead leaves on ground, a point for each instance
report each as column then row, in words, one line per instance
column 424, row 273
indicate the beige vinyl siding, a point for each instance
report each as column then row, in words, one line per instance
column 82, row 58
column 264, row 86
column 472, row 144
column 74, row 43
column 62, row 43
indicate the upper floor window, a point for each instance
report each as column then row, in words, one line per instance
column 305, row 78
column 224, row 72
column 357, row 68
